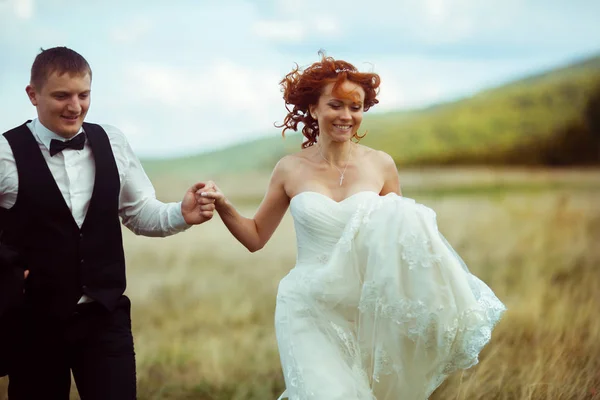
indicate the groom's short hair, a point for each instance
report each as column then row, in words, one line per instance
column 57, row 59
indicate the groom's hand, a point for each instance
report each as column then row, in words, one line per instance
column 12, row 279
column 25, row 275
column 196, row 211
column 213, row 193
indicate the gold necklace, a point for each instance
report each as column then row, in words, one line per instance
column 335, row 166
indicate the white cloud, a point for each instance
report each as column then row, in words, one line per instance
column 436, row 10
column 411, row 82
column 280, row 30
column 242, row 88
column 327, row 25
column 391, row 94
column 293, row 7
column 24, row 8
column 223, row 84
column 165, row 85
column 446, row 22
column 298, row 30
column 224, row 101
column 131, row 128
column 133, row 32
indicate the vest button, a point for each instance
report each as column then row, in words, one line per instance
column 82, row 260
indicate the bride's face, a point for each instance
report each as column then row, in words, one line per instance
column 339, row 114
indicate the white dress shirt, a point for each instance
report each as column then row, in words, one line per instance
column 74, row 172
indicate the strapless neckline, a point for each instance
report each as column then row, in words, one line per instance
column 318, row 194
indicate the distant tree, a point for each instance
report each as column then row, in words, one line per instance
column 592, row 117
column 524, row 102
column 569, row 91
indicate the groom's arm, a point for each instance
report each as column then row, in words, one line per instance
column 11, row 269
column 139, row 208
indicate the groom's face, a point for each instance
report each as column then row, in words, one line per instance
column 62, row 102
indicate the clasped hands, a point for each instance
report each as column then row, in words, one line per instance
column 200, row 202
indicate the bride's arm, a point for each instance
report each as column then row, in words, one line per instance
column 391, row 183
column 255, row 232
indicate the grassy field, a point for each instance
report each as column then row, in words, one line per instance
column 529, row 234
column 203, row 306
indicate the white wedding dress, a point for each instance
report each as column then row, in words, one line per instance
column 378, row 305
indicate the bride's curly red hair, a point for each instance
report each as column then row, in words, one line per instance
column 302, row 89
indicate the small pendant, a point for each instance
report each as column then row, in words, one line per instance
column 341, row 179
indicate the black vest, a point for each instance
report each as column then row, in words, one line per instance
column 65, row 261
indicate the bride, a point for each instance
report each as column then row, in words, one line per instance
column 378, row 305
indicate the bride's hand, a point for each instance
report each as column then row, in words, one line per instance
column 212, row 191
column 193, row 210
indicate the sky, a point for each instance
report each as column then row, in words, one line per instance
column 181, row 77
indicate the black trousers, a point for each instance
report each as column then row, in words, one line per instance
column 96, row 345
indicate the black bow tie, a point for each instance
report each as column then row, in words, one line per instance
column 77, row 143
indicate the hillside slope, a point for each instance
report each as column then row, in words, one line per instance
column 552, row 118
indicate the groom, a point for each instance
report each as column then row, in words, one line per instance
column 64, row 186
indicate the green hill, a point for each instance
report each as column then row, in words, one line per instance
column 261, row 154
column 552, row 118
column 521, row 122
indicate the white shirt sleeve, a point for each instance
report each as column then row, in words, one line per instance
column 9, row 179
column 139, row 209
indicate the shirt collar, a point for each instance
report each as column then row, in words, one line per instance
column 46, row 135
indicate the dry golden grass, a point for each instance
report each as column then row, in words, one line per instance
column 203, row 306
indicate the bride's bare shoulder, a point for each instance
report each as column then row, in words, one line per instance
column 379, row 157
column 298, row 158
column 294, row 161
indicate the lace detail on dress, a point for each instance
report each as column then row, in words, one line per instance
column 418, row 320
column 359, row 218
column 293, row 371
column 323, row 258
column 346, row 339
column 345, row 242
column 465, row 335
column 383, row 364
column 418, row 252
column 349, row 345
